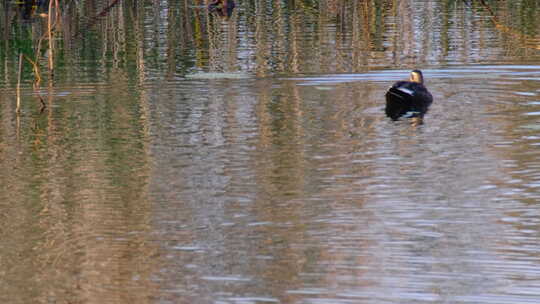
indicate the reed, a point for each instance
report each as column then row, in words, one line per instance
column 50, row 37
column 18, row 109
column 37, row 82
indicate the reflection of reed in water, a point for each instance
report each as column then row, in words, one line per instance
column 526, row 41
column 297, row 36
column 222, row 44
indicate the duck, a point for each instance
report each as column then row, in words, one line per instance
column 408, row 99
column 222, row 7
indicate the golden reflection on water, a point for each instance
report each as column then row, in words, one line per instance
column 269, row 189
column 77, row 219
column 140, row 185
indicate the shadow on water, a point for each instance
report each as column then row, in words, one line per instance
column 189, row 158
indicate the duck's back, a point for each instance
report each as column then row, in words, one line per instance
column 407, row 98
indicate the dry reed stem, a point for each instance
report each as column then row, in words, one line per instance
column 49, row 33
column 18, row 110
column 37, row 82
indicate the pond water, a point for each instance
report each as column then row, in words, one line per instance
column 187, row 158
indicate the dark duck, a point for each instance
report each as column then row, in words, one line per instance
column 222, row 7
column 408, row 99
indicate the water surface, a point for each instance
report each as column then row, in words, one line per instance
column 187, row 158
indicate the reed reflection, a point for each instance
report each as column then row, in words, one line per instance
column 143, row 183
column 281, row 37
column 79, row 232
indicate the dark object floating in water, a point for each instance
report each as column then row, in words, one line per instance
column 29, row 9
column 222, row 7
column 409, row 99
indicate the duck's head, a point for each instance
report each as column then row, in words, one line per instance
column 416, row 76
